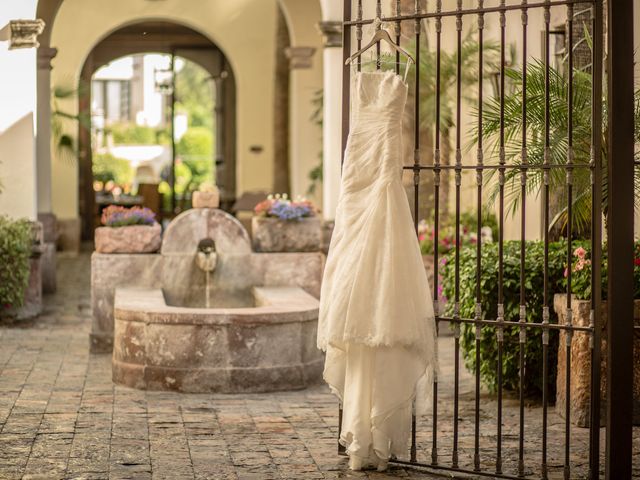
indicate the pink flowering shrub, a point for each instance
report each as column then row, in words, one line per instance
column 581, row 268
column 115, row 216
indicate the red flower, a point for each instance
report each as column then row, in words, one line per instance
column 636, row 262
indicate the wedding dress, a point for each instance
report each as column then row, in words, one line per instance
column 376, row 320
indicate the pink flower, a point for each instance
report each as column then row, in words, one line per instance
column 636, row 262
column 580, row 252
column 579, row 266
column 566, row 272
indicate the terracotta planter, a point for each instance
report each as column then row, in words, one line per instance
column 275, row 235
column 129, row 239
column 580, row 367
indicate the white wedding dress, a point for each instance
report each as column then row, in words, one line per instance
column 376, row 319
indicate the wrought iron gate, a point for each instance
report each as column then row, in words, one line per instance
column 520, row 168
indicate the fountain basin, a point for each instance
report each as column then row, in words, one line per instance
column 269, row 344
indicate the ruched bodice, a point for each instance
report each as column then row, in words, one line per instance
column 378, row 109
column 376, row 318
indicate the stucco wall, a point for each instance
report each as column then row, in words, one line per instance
column 243, row 29
column 17, row 113
column 305, row 137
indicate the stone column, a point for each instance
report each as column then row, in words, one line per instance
column 304, row 136
column 331, row 29
column 43, row 134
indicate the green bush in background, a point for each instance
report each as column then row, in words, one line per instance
column 195, row 150
column 15, row 251
column 107, row 168
column 534, row 262
column 132, row 134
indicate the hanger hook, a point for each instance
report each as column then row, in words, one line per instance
column 377, row 23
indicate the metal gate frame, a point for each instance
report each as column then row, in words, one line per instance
column 619, row 228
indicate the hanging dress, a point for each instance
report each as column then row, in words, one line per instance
column 376, row 321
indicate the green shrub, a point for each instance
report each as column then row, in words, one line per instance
column 447, row 231
column 131, row 134
column 511, row 290
column 107, row 168
column 195, row 149
column 197, row 142
column 15, row 251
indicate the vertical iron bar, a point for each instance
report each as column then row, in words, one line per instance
column 569, row 332
column 500, row 316
column 398, row 34
column 436, row 227
column 545, row 303
column 416, row 180
column 346, row 92
column 378, row 27
column 478, row 312
column 523, row 186
column 358, row 33
column 458, row 174
column 620, row 240
column 172, row 177
column 596, row 237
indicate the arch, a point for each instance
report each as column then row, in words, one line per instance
column 243, row 30
column 138, row 37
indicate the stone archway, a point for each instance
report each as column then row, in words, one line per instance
column 162, row 37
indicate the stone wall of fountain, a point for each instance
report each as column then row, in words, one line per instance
column 258, row 333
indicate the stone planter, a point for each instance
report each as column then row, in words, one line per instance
column 580, row 367
column 129, row 239
column 275, row 235
column 205, row 199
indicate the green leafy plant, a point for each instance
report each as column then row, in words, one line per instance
column 107, row 168
column 489, row 300
column 63, row 141
column 15, row 251
column 132, row 134
column 315, row 174
column 447, row 231
column 558, row 122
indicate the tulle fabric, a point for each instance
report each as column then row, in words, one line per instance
column 376, row 319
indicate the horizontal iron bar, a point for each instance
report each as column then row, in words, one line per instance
column 506, row 323
column 457, row 469
column 468, row 11
column 497, row 166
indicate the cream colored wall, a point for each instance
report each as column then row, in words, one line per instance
column 17, row 113
column 243, row 29
column 305, row 137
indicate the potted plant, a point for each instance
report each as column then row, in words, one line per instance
column 282, row 225
column 580, row 367
column 128, row 230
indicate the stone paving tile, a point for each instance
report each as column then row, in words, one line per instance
column 61, row 417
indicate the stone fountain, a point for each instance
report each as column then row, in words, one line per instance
column 206, row 313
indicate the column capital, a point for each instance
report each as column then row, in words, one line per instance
column 24, row 33
column 299, row 57
column 331, row 31
column 45, row 55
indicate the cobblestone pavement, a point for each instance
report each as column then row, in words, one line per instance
column 61, row 416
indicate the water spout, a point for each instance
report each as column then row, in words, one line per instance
column 207, row 259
